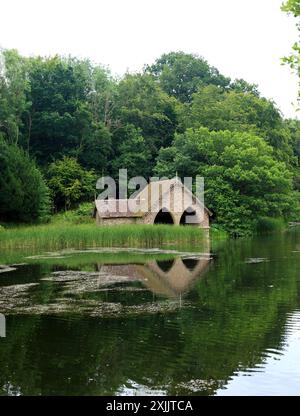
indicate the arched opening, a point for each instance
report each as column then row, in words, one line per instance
column 190, row 264
column 189, row 217
column 163, row 217
column 165, row 265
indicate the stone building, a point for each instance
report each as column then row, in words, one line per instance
column 160, row 202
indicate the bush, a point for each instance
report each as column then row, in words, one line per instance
column 85, row 210
column 295, row 214
column 82, row 215
column 70, row 183
column 24, row 196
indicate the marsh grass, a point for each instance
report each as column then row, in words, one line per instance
column 267, row 225
column 59, row 236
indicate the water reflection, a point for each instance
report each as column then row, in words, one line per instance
column 71, row 282
column 171, row 278
column 279, row 373
column 238, row 317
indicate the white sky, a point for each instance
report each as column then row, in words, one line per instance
column 242, row 38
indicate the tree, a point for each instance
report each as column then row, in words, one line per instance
column 240, row 85
column 181, row 74
column 95, row 148
column 24, row 196
column 294, row 128
column 77, row 121
column 69, row 183
column 216, row 109
column 243, row 179
column 132, row 153
column 14, row 86
column 56, row 95
column 102, row 97
column 293, row 7
column 66, row 114
column 143, row 104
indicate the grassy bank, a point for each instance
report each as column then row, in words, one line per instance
column 62, row 235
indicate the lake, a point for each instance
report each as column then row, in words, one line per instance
column 221, row 319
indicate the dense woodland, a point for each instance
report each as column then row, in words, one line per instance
column 65, row 121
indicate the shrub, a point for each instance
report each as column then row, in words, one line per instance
column 70, row 183
column 24, row 196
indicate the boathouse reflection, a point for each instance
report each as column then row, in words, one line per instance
column 171, row 278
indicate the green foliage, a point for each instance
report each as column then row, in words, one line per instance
column 240, row 85
column 243, row 180
column 81, row 215
column 67, row 112
column 217, row 232
column 70, row 183
column 78, row 122
column 13, row 88
column 181, row 74
column 95, row 148
column 24, row 195
column 295, row 214
column 294, row 128
column 143, row 104
column 85, row 210
column 293, row 7
column 216, row 109
column 131, row 152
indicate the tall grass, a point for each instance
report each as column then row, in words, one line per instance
column 218, row 232
column 58, row 236
column 267, row 225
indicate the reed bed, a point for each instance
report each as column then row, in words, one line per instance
column 59, row 236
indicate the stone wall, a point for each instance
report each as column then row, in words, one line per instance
column 119, row 220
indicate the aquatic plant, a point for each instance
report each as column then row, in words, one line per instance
column 60, row 235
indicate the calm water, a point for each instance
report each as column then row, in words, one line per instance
column 220, row 321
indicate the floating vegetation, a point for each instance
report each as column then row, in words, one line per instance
column 256, row 260
column 111, row 290
column 4, row 268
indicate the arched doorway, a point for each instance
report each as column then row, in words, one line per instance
column 163, row 217
column 165, row 265
column 189, row 217
column 190, row 264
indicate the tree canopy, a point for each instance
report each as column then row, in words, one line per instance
column 70, row 183
column 243, row 179
column 293, row 60
column 24, row 195
column 75, row 122
column 180, row 74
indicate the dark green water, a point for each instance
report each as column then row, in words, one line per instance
column 150, row 322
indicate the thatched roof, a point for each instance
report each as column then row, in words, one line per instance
column 116, row 208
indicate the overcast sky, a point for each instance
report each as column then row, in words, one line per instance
column 242, row 38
